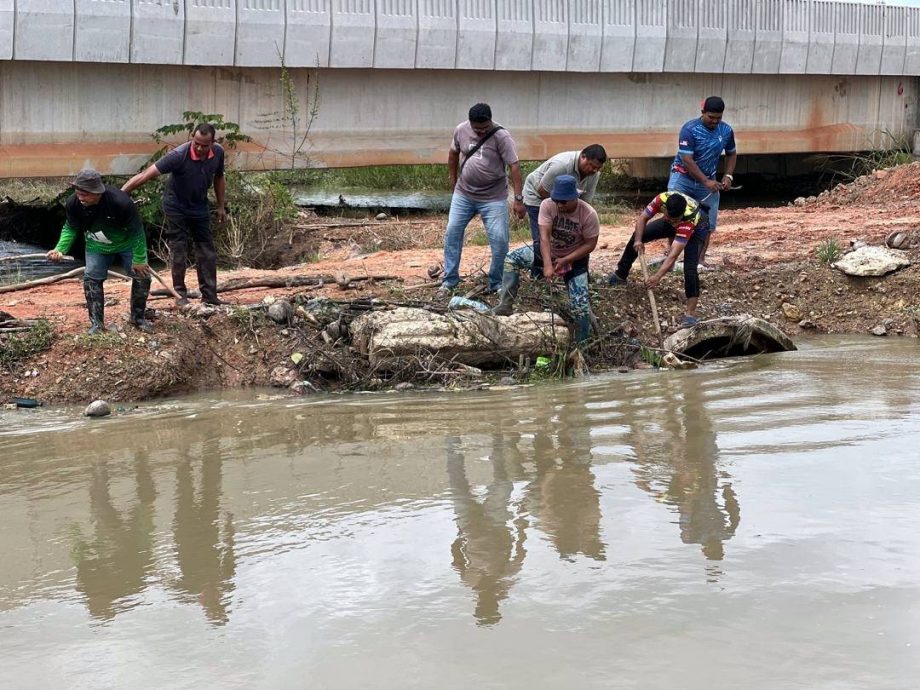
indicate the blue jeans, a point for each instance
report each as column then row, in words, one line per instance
column 97, row 265
column 576, row 280
column 494, row 216
column 678, row 182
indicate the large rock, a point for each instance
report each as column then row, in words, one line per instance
column 872, row 261
column 98, row 408
column 465, row 337
column 729, row 336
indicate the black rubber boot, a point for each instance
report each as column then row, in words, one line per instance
column 510, row 283
column 206, row 264
column 582, row 329
column 140, row 288
column 95, row 304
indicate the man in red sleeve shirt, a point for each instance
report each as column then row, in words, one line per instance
column 681, row 221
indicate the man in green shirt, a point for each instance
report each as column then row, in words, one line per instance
column 112, row 229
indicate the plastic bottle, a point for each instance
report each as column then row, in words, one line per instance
column 458, row 302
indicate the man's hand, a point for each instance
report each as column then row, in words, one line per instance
column 713, row 186
column 652, row 282
column 519, row 209
column 549, row 272
column 727, row 182
column 638, row 246
column 561, row 267
column 221, row 214
column 54, row 255
column 141, row 270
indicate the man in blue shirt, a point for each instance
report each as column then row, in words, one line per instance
column 700, row 145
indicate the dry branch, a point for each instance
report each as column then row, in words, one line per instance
column 42, row 281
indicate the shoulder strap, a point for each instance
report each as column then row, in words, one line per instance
column 469, row 154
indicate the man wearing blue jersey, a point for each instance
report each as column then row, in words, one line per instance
column 700, row 145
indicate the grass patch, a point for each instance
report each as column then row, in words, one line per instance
column 12, row 276
column 382, row 177
column 893, row 151
column 35, row 190
column 828, row 251
column 15, row 347
column 615, row 214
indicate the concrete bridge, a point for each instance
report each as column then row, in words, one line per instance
column 85, row 82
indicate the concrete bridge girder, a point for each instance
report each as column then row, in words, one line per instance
column 58, row 117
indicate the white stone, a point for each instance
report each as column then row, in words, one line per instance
column 872, row 261
column 97, row 408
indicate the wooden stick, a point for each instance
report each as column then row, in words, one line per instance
column 651, row 299
column 32, row 256
column 42, row 281
column 180, row 300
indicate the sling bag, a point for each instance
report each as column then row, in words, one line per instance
column 469, row 154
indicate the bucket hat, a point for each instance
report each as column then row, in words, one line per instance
column 565, row 188
column 88, row 180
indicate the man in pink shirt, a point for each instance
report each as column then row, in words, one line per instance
column 480, row 153
column 569, row 229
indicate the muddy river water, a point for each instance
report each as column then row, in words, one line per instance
column 754, row 522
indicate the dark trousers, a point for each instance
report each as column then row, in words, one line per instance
column 178, row 231
column 661, row 229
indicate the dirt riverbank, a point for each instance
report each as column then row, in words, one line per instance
column 762, row 258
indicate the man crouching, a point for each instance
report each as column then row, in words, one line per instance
column 569, row 229
column 112, row 228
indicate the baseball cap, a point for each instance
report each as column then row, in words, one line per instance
column 88, row 180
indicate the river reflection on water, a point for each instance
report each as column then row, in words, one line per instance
column 751, row 522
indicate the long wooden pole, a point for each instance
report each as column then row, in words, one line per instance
column 42, row 281
column 32, row 256
column 180, row 300
column 651, row 299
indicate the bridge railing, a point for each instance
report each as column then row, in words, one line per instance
column 701, row 36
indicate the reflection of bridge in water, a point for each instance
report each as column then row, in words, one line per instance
column 395, row 76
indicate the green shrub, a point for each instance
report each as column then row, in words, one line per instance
column 18, row 346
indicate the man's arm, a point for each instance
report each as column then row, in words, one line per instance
column 728, row 176
column 697, row 174
column 518, row 183
column 546, row 231
column 580, row 252
column 641, row 222
column 676, row 248
column 68, row 234
column 141, row 178
column 453, row 162
column 220, row 188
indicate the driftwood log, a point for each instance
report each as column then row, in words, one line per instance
column 285, row 282
column 464, row 336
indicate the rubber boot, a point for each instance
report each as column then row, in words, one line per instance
column 140, row 288
column 509, row 291
column 95, row 304
column 582, row 329
column 206, row 265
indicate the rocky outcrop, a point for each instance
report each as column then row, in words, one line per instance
column 872, row 261
column 466, row 337
column 729, row 336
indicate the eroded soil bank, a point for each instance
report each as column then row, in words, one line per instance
column 762, row 259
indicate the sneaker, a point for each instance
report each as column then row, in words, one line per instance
column 688, row 321
column 444, row 292
column 614, row 279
